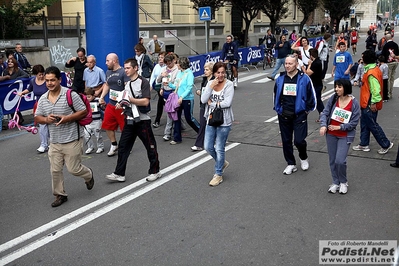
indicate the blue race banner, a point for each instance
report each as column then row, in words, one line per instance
column 9, row 100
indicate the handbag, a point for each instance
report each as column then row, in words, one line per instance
column 216, row 116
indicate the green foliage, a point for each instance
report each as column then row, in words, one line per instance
column 275, row 10
column 338, row 9
column 214, row 4
column 306, row 7
column 16, row 17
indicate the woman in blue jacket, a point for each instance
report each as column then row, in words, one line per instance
column 183, row 85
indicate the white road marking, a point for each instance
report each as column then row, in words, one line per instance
column 250, row 77
column 96, row 213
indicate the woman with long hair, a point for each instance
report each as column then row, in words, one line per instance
column 219, row 92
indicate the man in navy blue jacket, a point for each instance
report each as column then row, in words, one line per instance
column 294, row 98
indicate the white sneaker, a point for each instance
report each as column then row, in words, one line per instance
column 166, row 138
column 115, row 177
column 154, row 177
column 333, row 188
column 89, row 150
column 235, row 83
column 195, row 148
column 384, row 151
column 290, row 169
column 305, row 164
column 112, row 150
column 360, row 148
column 41, row 149
column 100, row 150
column 343, row 188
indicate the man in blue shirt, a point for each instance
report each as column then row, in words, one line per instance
column 93, row 76
column 342, row 63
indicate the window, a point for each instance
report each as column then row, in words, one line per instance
column 165, row 12
column 55, row 10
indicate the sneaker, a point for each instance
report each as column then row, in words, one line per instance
column 154, row 177
column 305, row 164
column 112, row 150
column 343, row 188
column 270, row 77
column 333, row 188
column 115, row 177
column 89, row 150
column 174, row 142
column 41, row 149
column 360, row 148
column 383, row 151
column 216, row 180
column 156, row 124
column 195, row 148
column 166, row 138
column 225, row 165
column 290, row 169
column 100, row 150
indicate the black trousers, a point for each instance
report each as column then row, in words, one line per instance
column 297, row 127
column 142, row 130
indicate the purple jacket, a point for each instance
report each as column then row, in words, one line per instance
column 172, row 105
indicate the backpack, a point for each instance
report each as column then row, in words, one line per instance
column 89, row 117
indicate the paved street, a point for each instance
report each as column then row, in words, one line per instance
column 257, row 216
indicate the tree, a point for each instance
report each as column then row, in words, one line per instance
column 16, row 16
column 338, row 9
column 249, row 11
column 307, row 7
column 275, row 10
column 214, row 4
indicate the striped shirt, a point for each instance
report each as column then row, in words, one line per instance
column 67, row 132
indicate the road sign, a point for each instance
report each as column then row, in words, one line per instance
column 205, row 13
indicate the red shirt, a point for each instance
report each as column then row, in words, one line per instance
column 340, row 133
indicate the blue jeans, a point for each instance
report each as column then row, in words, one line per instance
column 215, row 143
column 337, row 148
column 368, row 123
column 280, row 62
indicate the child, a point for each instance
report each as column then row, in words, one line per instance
column 384, row 69
column 94, row 128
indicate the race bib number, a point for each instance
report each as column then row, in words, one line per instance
column 340, row 59
column 289, row 89
column 115, row 95
column 269, row 41
column 354, row 38
column 341, row 115
column 94, row 107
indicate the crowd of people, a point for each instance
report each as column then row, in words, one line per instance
column 297, row 92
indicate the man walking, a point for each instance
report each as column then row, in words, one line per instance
column 342, row 63
column 65, row 134
column 137, row 124
column 154, row 47
column 115, row 84
column 294, row 98
column 284, row 48
column 324, row 53
column 390, row 51
column 370, row 103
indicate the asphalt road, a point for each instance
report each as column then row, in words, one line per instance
column 257, row 216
